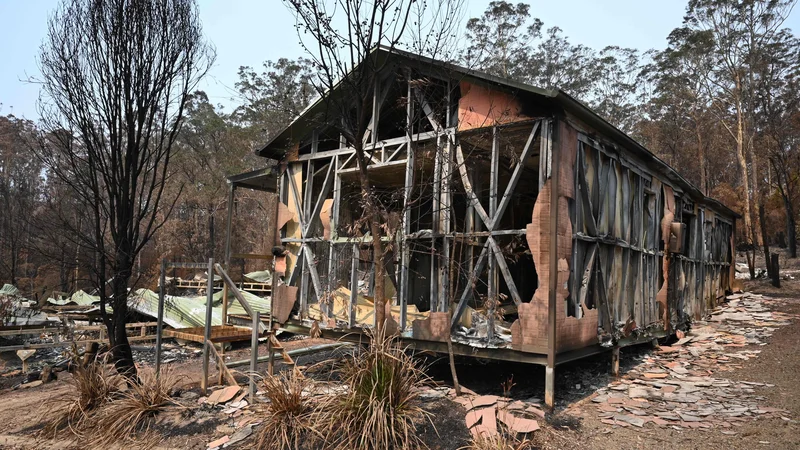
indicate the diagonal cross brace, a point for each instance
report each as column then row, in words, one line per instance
column 473, row 278
column 501, row 262
column 295, row 196
column 473, row 199
column 426, row 108
column 512, row 183
column 312, row 270
column 492, row 222
column 323, row 194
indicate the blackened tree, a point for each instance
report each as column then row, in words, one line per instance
column 115, row 78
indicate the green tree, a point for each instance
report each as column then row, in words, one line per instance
column 500, row 39
column 738, row 33
column 272, row 98
column 506, row 41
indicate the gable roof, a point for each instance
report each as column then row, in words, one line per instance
column 303, row 124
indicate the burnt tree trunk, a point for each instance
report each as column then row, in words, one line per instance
column 377, row 250
column 119, row 75
column 775, row 276
column 764, row 239
column 751, row 262
column 791, row 227
column 702, row 157
column 118, row 337
column 63, row 271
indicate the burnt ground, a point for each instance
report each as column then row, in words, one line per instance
column 777, row 364
column 573, row 425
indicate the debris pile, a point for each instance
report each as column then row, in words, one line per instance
column 16, row 310
column 676, row 387
column 230, row 401
column 484, row 412
column 170, row 353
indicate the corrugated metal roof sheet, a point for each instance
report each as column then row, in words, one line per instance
column 9, row 289
column 185, row 312
column 78, row 298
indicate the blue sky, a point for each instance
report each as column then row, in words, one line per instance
column 248, row 32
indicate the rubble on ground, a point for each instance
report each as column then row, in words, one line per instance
column 683, row 386
column 16, row 310
column 485, row 412
column 231, row 402
column 170, row 353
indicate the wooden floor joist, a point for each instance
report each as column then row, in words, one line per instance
column 219, row 333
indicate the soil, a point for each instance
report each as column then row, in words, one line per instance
column 572, row 425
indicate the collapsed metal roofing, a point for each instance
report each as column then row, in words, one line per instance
column 187, row 312
column 179, row 311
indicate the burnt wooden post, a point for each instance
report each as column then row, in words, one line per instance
column 270, row 333
column 254, row 355
column 327, row 306
column 207, row 334
column 160, row 315
column 353, row 287
column 408, row 185
column 775, row 270
column 307, row 214
column 492, row 280
column 445, row 223
column 437, row 213
column 228, row 228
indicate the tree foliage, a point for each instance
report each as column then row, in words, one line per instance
column 506, row 41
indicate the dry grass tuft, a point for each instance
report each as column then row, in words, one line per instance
column 498, row 442
column 129, row 417
column 381, row 408
column 95, row 385
column 287, row 422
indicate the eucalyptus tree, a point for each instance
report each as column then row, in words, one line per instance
column 778, row 123
column 678, row 74
column 737, row 33
column 508, row 42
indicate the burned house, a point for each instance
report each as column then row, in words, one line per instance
column 527, row 228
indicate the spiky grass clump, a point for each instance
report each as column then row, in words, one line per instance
column 381, row 408
column 497, row 442
column 129, row 417
column 287, row 422
column 94, row 386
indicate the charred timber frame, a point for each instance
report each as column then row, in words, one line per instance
column 605, row 235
